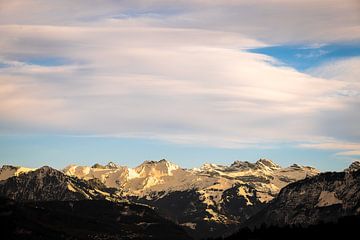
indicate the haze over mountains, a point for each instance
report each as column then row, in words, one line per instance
column 208, row 201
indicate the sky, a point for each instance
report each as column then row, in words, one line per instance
column 190, row 81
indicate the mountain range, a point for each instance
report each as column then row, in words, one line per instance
column 208, row 201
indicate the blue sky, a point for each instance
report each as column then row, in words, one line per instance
column 303, row 57
column 60, row 151
column 189, row 81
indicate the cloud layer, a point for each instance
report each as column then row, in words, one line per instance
column 178, row 72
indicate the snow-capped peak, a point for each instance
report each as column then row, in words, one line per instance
column 156, row 168
column 210, row 179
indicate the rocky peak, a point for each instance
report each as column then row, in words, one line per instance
column 295, row 166
column 267, row 163
column 156, row 168
column 47, row 169
column 354, row 166
column 44, row 175
column 111, row 165
column 153, row 162
column 242, row 165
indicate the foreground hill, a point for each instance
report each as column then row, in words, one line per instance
column 322, row 198
column 343, row 228
column 84, row 219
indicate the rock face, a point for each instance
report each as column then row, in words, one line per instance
column 48, row 184
column 325, row 197
column 84, row 219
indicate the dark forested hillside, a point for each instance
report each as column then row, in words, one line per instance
column 85, row 219
column 346, row 227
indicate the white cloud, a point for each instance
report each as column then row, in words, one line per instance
column 346, row 69
column 166, row 86
column 343, row 123
column 333, row 145
column 184, row 79
column 281, row 21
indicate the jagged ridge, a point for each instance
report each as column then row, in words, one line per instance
column 47, row 184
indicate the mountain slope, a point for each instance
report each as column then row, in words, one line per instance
column 84, row 219
column 325, row 197
column 344, row 228
column 47, row 184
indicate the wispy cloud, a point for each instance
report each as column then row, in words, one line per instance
column 350, row 153
column 343, row 148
